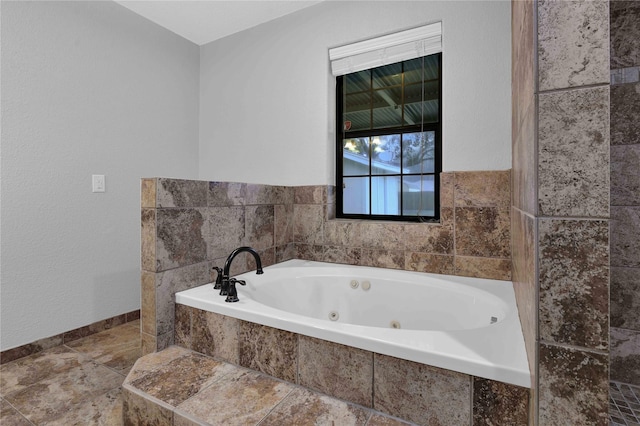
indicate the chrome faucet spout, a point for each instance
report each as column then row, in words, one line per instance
column 227, row 266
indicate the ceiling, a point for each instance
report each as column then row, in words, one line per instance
column 204, row 21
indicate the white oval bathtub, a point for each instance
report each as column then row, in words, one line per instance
column 469, row 325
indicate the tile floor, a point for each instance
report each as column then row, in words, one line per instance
column 74, row 384
column 80, row 384
column 184, row 388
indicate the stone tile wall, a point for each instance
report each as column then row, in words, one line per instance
column 473, row 238
column 411, row 391
column 524, row 173
column 190, row 226
column 625, row 191
column 560, row 218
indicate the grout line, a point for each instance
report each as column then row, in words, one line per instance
column 588, row 218
column 574, row 347
column 17, row 411
column 276, row 405
column 572, row 88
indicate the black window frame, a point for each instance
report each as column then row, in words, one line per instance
column 341, row 135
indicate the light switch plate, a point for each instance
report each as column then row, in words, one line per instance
column 98, row 183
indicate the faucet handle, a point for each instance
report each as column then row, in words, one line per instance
column 218, row 283
column 232, row 295
column 236, row 281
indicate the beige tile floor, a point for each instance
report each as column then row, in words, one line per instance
column 80, row 383
column 184, row 388
column 74, row 384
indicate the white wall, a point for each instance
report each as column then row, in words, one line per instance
column 267, row 95
column 91, row 88
column 87, row 88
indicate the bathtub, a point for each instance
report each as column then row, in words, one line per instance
column 468, row 325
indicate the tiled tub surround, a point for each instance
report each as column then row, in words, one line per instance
column 625, row 192
column 190, row 226
column 408, row 390
column 463, row 324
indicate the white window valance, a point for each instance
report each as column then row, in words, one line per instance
column 388, row 49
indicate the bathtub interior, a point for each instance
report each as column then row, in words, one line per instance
column 375, row 297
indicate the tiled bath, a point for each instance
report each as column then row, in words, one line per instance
column 473, row 239
column 414, row 392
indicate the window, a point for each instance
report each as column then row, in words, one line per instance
column 388, row 148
